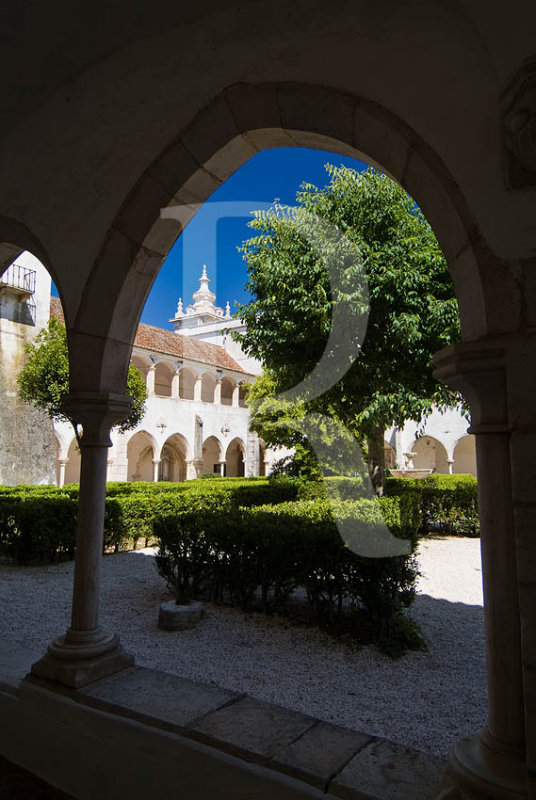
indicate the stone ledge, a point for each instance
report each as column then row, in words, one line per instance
column 338, row 761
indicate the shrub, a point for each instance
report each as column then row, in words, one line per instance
column 268, row 551
column 449, row 503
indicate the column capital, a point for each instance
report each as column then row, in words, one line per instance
column 478, row 371
column 96, row 412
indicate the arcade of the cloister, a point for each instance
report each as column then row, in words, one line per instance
column 139, row 121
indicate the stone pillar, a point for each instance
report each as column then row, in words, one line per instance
column 217, row 393
column 236, row 394
column 150, row 380
column 198, row 387
column 86, row 652
column 61, row 475
column 175, row 383
column 492, row 764
column 156, row 467
column 450, row 464
column 221, row 465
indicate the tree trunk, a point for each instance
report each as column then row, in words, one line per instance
column 376, row 460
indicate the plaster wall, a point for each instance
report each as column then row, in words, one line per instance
column 27, row 450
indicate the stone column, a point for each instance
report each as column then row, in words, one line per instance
column 198, row 387
column 217, row 393
column 491, row 764
column 86, row 652
column 61, row 476
column 156, row 467
column 175, row 383
column 450, row 464
column 221, row 465
column 150, row 379
column 236, row 394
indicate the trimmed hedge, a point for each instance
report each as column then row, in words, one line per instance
column 267, row 552
column 449, row 503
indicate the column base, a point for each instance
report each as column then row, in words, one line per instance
column 82, row 657
column 481, row 768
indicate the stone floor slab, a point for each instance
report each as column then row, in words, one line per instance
column 253, row 728
column 320, row 753
column 158, row 696
column 387, row 771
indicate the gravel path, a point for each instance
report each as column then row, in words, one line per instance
column 425, row 700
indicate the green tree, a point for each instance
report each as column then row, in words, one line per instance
column 44, row 380
column 412, row 312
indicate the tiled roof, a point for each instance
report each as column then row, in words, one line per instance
column 169, row 343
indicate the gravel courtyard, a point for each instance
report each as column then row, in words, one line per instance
column 425, row 700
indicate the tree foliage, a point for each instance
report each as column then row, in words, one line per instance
column 44, row 380
column 384, row 260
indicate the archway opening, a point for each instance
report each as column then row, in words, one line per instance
column 211, row 456
column 465, row 456
column 430, row 454
column 187, row 380
column 163, row 377
column 140, row 457
column 227, row 387
column 235, row 459
column 208, row 387
column 173, row 458
column 72, row 467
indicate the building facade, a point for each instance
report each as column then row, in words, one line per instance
column 196, row 421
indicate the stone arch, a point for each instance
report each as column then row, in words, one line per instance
column 72, row 467
column 212, row 455
column 241, row 120
column 235, row 458
column 430, row 454
column 465, row 455
column 208, row 387
column 163, row 377
column 141, row 451
column 173, row 457
column 187, row 379
column 143, row 363
column 227, row 387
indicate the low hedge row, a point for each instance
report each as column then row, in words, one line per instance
column 448, row 503
column 38, row 523
column 263, row 554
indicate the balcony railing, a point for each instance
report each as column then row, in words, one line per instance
column 19, row 279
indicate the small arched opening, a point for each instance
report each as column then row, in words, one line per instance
column 234, row 459
column 187, row 379
column 465, row 456
column 227, row 387
column 72, row 467
column 430, row 454
column 211, row 456
column 173, row 457
column 140, row 455
column 163, row 376
column 208, row 387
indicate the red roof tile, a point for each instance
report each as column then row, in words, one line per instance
column 169, row 343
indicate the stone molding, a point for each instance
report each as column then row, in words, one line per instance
column 518, row 111
column 97, row 413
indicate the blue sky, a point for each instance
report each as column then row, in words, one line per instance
column 220, row 226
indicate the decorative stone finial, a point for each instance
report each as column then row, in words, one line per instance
column 227, row 309
column 179, row 307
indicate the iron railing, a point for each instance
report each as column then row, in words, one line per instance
column 19, row 278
